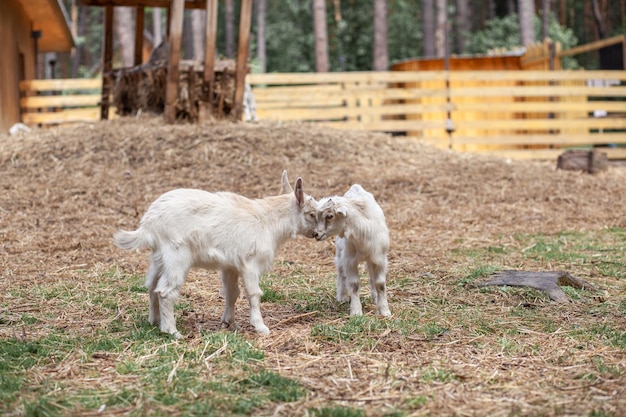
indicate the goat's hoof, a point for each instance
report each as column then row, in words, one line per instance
column 177, row 335
column 229, row 326
column 262, row 330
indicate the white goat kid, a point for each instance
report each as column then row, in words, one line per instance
column 187, row 228
column 362, row 235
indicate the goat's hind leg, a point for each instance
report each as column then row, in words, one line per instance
column 174, row 270
column 152, row 279
column 378, row 285
column 230, row 288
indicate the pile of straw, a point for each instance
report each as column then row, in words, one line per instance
column 142, row 88
column 66, row 191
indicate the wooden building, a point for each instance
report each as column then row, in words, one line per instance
column 27, row 29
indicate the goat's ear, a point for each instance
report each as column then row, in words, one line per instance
column 342, row 210
column 299, row 192
column 285, row 187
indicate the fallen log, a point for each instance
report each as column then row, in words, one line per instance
column 591, row 161
column 549, row 282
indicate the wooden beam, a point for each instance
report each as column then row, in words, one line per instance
column 242, row 57
column 139, row 25
column 206, row 105
column 189, row 4
column 107, row 62
column 593, row 46
column 176, row 35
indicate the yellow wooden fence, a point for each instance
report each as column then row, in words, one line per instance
column 57, row 101
column 526, row 114
column 522, row 114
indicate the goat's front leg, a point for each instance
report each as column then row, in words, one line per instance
column 350, row 282
column 342, row 290
column 254, row 293
column 378, row 284
column 230, row 287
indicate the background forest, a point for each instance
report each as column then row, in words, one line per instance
column 355, row 35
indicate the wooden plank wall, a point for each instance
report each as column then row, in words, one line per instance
column 52, row 102
column 520, row 114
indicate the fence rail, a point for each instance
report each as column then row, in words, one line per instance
column 525, row 114
column 48, row 102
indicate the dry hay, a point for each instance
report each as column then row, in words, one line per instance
column 65, row 192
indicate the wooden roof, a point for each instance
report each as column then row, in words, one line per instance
column 50, row 17
column 189, row 4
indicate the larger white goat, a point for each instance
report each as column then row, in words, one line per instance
column 362, row 235
column 187, row 228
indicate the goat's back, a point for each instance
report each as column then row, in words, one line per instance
column 204, row 219
column 367, row 205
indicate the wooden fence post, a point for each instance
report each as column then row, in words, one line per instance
column 107, row 58
column 206, row 104
column 242, row 58
column 139, row 25
column 176, row 32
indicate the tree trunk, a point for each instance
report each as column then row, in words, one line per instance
column 545, row 19
column 125, row 33
column 428, row 25
column 157, row 26
column 441, row 36
column 229, row 11
column 186, row 51
column 562, row 13
column 321, row 36
column 600, row 23
column 198, row 20
column 381, row 56
column 260, row 34
column 510, row 7
column 526, row 24
column 549, row 282
column 463, row 25
column 81, row 28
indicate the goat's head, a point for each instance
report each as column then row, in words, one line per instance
column 330, row 218
column 307, row 205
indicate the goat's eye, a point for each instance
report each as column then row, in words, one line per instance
column 329, row 216
column 311, row 216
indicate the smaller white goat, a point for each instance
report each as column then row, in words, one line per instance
column 362, row 235
column 187, row 228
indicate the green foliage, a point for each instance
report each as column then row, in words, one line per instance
column 498, row 33
column 505, row 33
column 290, row 38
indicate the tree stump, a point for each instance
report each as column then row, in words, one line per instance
column 590, row 161
column 549, row 282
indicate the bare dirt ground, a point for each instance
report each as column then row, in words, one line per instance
column 64, row 192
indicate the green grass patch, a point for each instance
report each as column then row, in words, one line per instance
column 123, row 365
column 337, row 412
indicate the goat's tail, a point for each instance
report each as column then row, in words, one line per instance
column 130, row 240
